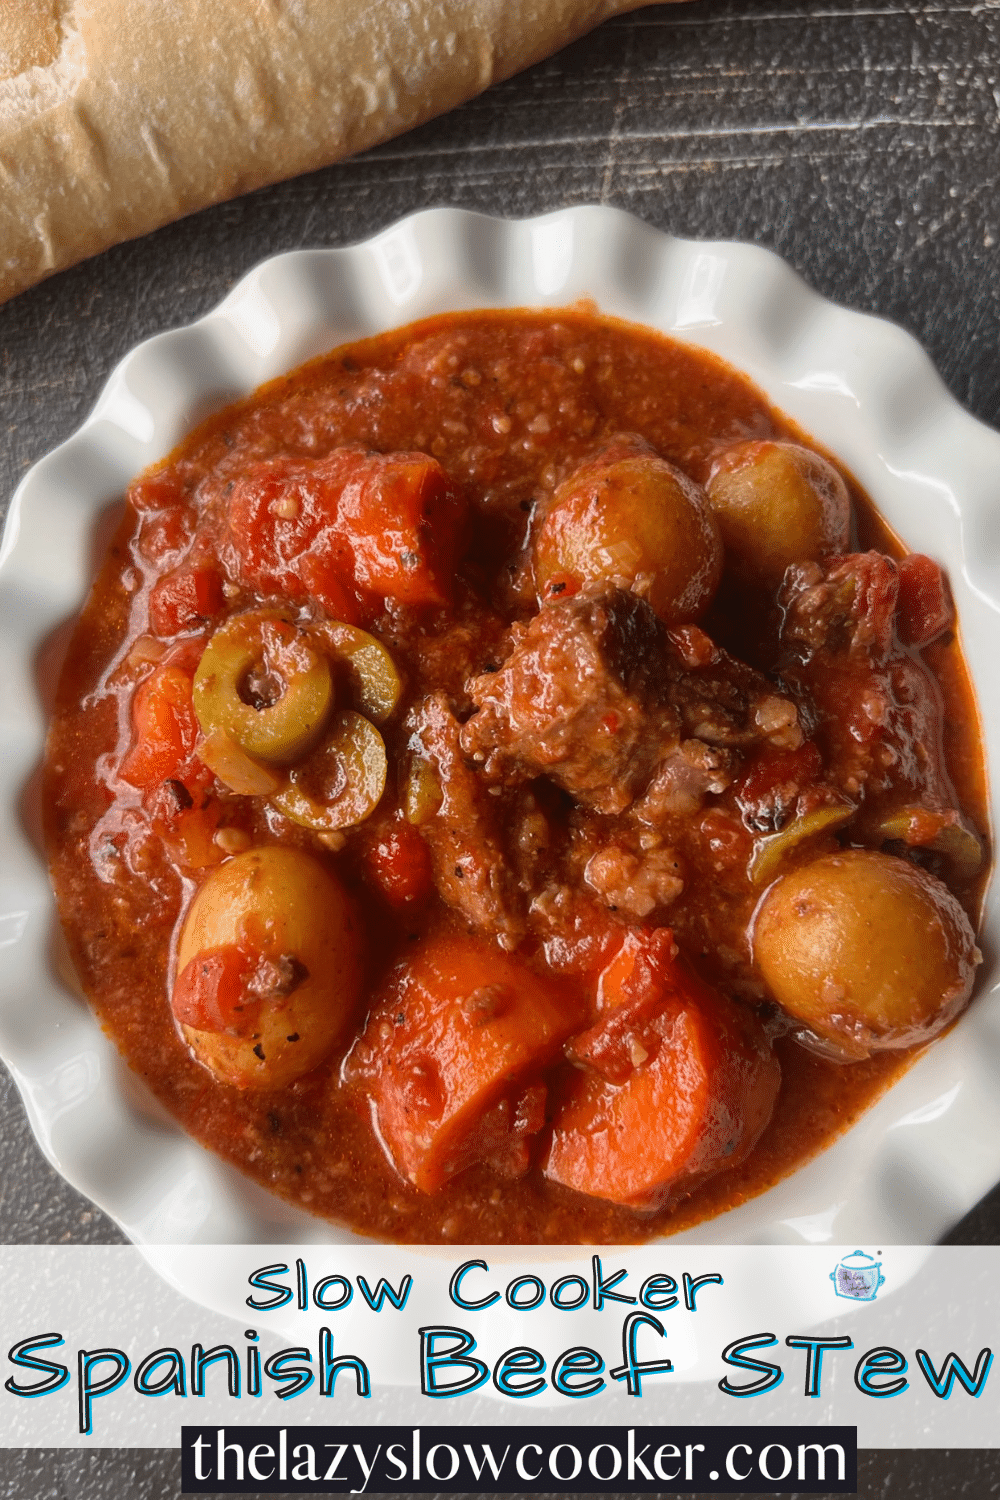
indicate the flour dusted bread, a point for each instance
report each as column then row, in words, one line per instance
column 117, row 116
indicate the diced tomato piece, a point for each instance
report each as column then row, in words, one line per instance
column 186, row 598
column 156, row 491
column 164, row 534
column 399, row 864
column 382, row 525
column 925, row 609
column 166, row 728
column 186, row 654
column 210, row 992
column 281, row 513
column 679, row 1083
column 321, row 574
column 451, row 1052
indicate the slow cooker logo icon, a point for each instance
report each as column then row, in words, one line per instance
column 858, row 1276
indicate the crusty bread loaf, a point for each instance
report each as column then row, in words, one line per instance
column 117, row 116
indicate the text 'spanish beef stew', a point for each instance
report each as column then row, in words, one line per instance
column 506, row 787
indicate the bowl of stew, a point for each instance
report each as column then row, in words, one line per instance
column 518, row 764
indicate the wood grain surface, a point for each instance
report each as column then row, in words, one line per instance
column 858, row 140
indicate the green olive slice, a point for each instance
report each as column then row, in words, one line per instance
column 263, row 683
column 945, row 832
column 340, row 783
column 770, row 853
column 422, row 795
column 374, row 680
column 234, row 767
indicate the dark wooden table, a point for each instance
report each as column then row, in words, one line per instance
column 858, row 138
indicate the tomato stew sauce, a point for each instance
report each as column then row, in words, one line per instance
column 483, row 771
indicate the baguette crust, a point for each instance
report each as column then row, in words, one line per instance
column 117, row 116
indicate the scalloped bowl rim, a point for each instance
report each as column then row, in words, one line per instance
column 930, row 1147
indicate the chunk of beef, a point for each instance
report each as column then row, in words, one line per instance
column 878, row 710
column 724, row 702
column 531, row 836
column 842, row 609
column 682, row 781
column 635, row 883
column 470, row 866
column 582, row 698
column 925, row 609
column 877, row 707
column 598, row 695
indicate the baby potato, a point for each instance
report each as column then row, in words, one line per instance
column 630, row 516
column 268, row 968
column 777, row 503
column 866, row 950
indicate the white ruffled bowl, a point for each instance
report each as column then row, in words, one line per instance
column 930, row 1148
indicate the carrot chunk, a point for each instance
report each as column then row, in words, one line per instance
column 166, row 728
column 676, row 1083
column 401, row 518
column 451, row 1056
